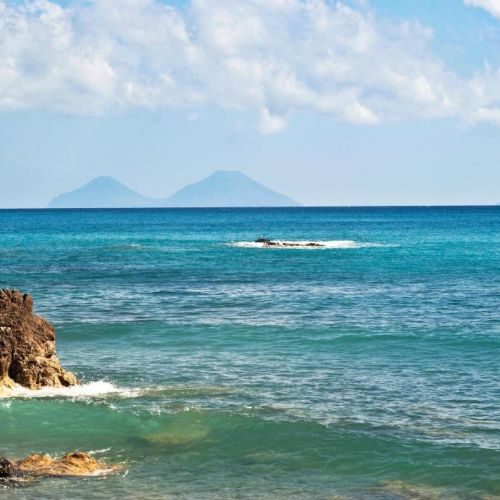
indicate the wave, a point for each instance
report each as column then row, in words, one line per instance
column 307, row 244
column 103, row 389
column 97, row 389
column 99, row 452
column 120, row 247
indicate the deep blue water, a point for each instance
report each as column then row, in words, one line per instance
column 369, row 369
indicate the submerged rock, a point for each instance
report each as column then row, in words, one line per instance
column 77, row 463
column 400, row 490
column 27, row 346
column 178, row 435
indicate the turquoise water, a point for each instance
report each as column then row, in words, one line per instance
column 214, row 369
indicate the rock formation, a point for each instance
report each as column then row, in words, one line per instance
column 73, row 464
column 27, row 346
column 77, row 463
column 272, row 243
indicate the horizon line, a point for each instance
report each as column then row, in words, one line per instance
column 4, row 209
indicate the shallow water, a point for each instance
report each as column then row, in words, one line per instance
column 215, row 368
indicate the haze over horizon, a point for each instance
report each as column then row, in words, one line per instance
column 360, row 102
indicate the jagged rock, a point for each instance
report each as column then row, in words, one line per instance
column 265, row 241
column 27, row 346
column 6, row 469
column 73, row 464
column 271, row 243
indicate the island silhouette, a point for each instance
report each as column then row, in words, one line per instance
column 221, row 189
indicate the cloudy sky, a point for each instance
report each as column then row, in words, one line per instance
column 354, row 102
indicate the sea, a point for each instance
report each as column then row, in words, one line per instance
column 213, row 367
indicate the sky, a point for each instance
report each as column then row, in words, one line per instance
column 353, row 102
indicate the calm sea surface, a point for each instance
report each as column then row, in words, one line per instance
column 215, row 369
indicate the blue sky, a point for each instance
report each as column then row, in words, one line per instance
column 332, row 103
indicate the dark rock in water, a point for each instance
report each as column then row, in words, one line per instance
column 6, row 468
column 266, row 242
column 27, row 346
column 270, row 243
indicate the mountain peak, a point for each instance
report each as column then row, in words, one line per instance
column 104, row 180
column 228, row 188
column 102, row 192
column 223, row 188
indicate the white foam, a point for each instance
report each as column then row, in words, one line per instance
column 104, row 389
column 92, row 389
column 306, row 244
column 99, row 452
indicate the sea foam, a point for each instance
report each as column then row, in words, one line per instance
column 307, row 244
column 103, row 389
column 96, row 389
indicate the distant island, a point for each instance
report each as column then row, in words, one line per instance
column 103, row 192
column 221, row 189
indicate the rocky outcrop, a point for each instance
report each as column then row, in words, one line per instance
column 73, row 464
column 274, row 243
column 27, row 346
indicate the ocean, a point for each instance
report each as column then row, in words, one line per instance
column 215, row 368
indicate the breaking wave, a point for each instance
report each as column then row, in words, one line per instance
column 100, row 388
column 104, row 389
column 307, row 244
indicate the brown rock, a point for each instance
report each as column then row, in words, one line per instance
column 72, row 464
column 27, row 346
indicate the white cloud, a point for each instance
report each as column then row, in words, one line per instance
column 271, row 124
column 271, row 56
column 489, row 115
column 492, row 6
